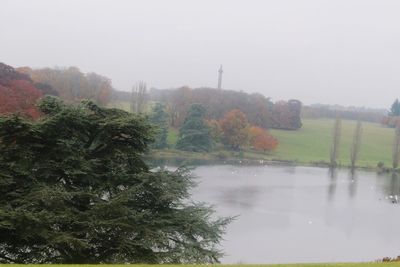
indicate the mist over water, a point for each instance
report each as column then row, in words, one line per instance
column 303, row 214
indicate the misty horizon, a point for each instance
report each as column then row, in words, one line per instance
column 329, row 52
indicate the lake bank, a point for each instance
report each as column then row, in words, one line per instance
column 178, row 157
column 308, row 146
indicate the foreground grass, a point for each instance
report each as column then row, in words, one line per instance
column 380, row 264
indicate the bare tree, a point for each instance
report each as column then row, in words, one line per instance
column 138, row 97
column 355, row 148
column 335, row 142
column 396, row 148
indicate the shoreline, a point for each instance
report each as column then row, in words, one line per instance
column 201, row 158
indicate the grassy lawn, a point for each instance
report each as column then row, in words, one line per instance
column 388, row 264
column 172, row 137
column 312, row 143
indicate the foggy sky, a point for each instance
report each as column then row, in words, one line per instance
column 335, row 52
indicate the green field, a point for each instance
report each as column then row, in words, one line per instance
column 311, row 144
column 386, row 264
column 172, row 136
column 313, row 141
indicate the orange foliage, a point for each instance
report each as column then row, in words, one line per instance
column 215, row 130
column 234, row 128
column 260, row 139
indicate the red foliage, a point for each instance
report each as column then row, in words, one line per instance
column 17, row 93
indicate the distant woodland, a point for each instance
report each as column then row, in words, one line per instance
column 21, row 87
column 259, row 110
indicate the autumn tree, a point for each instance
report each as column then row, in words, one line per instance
column 18, row 94
column 255, row 131
column 194, row 135
column 259, row 110
column 260, row 139
column 180, row 101
column 286, row 115
column 73, row 85
column 46, row 89
column 234, row 128
column 99, row 88
column 215, row 130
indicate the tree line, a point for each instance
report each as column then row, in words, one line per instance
column 20, row 88
column 259, row 110
column 72, row 85
column 199, row 134
column 318, row 111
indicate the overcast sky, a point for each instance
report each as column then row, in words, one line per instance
column 335, row 52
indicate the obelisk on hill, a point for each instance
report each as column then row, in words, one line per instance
column 220, row 71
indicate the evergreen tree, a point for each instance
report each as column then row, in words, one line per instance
column 160, row 119
column 74, row 189
column 194, row 135
column 395, row 108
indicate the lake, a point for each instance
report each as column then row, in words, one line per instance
column 303, row 214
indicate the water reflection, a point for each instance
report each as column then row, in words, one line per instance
column 391, row 188
column 244, row 197
column 282, row 217
column 353, row 179
column 332, row 173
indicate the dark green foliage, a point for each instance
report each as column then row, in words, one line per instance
column 74, row 189
column 160, row 119
column 194, row 135
column 395, row 108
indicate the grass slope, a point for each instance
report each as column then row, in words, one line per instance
column 313, row 141
column 311, row 144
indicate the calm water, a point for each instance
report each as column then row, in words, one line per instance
column 303, row 214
